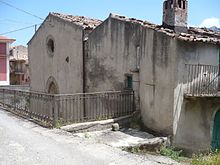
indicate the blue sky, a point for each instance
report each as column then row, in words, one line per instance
column 201, row 12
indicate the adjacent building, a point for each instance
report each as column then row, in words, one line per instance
column 172, row 68
column 4, row 60
column 19, row 66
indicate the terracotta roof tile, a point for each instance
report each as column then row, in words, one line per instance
column 194, row 34
column 85, row 22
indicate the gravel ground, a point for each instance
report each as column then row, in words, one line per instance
column 24, row 143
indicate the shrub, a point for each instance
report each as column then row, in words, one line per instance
column 172, row 153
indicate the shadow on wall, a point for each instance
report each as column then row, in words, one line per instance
column 194, row 126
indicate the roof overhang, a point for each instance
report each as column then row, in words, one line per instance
column 6, row 40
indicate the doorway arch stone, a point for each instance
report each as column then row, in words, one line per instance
column 52, row 86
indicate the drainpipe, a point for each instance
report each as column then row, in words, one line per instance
column 83, row 62
column 83, row 72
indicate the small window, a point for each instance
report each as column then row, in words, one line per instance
column 171, row 4
column 11, row 52
column 67, row 59
column 184, row 5
column 50, row 45
column 137, row 57
column 3, row 48
column 128, row 81
column 180, row 3
column 166, row 5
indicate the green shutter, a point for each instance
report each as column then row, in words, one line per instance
column 216, row 132
column 129, row 79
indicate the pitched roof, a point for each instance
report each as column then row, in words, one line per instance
column 193, row 35
column 85, row 22
column 6, row 39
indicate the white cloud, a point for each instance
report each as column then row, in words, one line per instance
column 209, row 22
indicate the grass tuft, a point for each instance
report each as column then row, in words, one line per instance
column 206, row 159
column 172, row 153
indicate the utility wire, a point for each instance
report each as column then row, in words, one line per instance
column 7, row 22
column 21, row 10
column 13, row 21
column 19, row 29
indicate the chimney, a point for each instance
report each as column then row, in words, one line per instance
column 175, row 13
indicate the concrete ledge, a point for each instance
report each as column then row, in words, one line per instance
column 151, row 145
column 97, row 125
column 128, row 139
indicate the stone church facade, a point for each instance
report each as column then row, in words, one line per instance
column 72, row 54
column 56, row 53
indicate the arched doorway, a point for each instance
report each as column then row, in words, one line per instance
column 216, row 132
column 51, row 86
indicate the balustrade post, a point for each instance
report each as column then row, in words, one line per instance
column 3, row 97
column 14, row 100
column 54, row 111
column 133, row 101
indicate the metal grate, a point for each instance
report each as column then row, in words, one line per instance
column 202, row 80
column 94, row 106
column 68, row 108
column 32, row 104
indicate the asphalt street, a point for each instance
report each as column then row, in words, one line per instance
column 25, row 143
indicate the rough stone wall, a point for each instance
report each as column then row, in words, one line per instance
column 19, row 52
column 175, row 14
column 112, row 54
column 65, row 66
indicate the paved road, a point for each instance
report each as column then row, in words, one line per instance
column 24, row 143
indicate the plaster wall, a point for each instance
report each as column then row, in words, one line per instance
column 113, row 54
column 194, row 131
column 187, row 115
column 66, row 65
column 157, row 80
